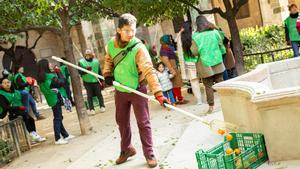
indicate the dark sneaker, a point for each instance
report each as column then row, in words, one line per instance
column 125, row 155
column 182, row 101
column 40, row 117
column 152, row 162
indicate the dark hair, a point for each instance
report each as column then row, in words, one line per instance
column 158, row 64
column 16, row 68
column 203, row 24
column 172, row 42
column 186, row 38
column 291, row 6
column 3, row 78
column 43, row 68
column 125, row 19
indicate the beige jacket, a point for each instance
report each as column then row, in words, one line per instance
column 145, row 69
column 204, row 71
column 171, row 65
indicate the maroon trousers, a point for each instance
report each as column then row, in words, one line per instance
column 123, row 102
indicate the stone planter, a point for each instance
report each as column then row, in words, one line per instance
column 267, row 100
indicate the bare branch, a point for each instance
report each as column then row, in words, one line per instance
column 3, row 49
column 27, row 37
column 237, row 5
column 36, row 41
column 36, row 28
column 200, row 12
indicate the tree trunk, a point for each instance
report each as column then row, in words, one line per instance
column 237, row 45
column 235, row 36
column 84, row 122
column 81, row 38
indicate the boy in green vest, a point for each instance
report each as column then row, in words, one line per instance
column 92, row 85
column 133, row 70
column 291, row 34
column 23, row 86
column 10, row 100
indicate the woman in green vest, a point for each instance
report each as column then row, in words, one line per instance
column 291, row 34
column 10, row 100
column 51, row 85
column 190, row 60
column 206, row 45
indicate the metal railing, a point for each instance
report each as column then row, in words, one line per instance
column 13, row 140
column 252, row 60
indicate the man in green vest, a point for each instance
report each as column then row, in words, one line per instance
column 128, row 62
column 291, row 34
column 92, row 84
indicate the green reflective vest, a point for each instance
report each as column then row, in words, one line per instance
column 13, row 98
column 23, row 79
column 95, row 68
column 188, row 58
column 222, row 47
column 290, row 23
column 208, row 44
column 50, row 95
column 126, row 71
column 1, row 112
column 65, row 72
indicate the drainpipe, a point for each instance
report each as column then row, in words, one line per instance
column 261, row 14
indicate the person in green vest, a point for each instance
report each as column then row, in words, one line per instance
column 128, row 62
column 206, row 44
column 223, row 51
column 189, row 59
column 92, row 84
column 10, row 100
column 21, row 84
column 51, row 85
column 291, row 34
column 65, row 72
column 3, row 113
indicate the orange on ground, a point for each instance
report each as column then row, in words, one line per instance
column 237, row 151
column 229, row 137
column 229, row 150
column 221, row 131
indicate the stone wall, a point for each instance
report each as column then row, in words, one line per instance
column 255, row 18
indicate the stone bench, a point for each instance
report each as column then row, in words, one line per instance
column 267, row 100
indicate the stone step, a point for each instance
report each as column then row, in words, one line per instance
column 196, row 136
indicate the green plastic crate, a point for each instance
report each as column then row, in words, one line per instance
column 253, row 153
column 95, row 102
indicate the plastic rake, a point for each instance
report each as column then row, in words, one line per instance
column 214, row 125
